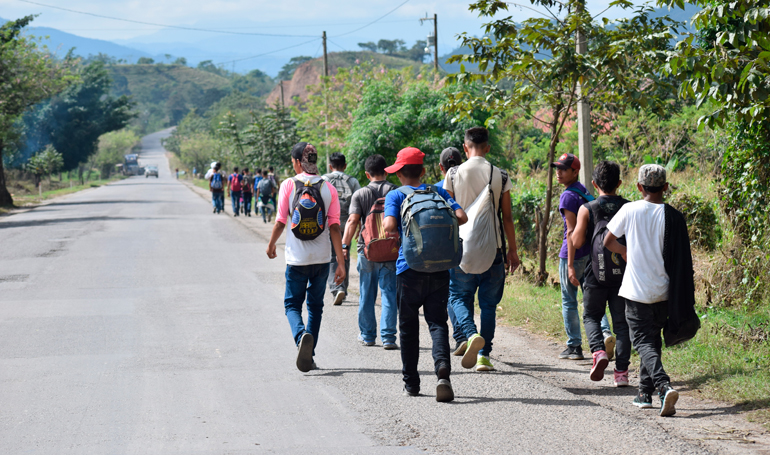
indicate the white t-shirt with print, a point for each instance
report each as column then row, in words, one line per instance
column 318, row 250
column 469, row 179
column 644, row 224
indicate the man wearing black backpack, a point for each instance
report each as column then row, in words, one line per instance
column 603, row 275
column 310, row 205
column 572, row 261
column 345, row 186
column 372, row 270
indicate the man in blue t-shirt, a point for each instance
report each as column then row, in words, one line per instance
column 418, row 289
column 572, row 262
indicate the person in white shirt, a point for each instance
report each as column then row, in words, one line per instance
column 307, row 260
column 645, row 282
column 465, row 183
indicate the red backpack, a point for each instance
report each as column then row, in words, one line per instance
column 235, row 182
column 379, row 246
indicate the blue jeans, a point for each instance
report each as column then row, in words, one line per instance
column 247, row 202
column 372, row 274
column 569, row 303
column 457, row 331
column 302, row 280
column 462, row 290
column 218, row 200
column 235, row 198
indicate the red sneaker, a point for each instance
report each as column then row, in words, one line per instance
column 621, row 378
column 600, row 363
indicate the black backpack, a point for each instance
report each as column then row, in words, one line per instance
column 308, row 212
column 607, row 267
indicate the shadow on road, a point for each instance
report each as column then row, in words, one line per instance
column 55, row 204
column 535, row 401
column 32, row 223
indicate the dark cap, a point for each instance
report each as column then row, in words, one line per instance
column 450, row 157
column 567, row 161
column 307, row 156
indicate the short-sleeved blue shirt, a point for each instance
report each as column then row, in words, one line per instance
column 440, row 184
column 393, row 202
column 570, row 200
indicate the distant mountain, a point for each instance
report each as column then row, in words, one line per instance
column 61, row 42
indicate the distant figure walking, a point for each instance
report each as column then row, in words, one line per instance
column 345, row 186
column 235, row 188
column 247, row 185
column 217, row 188
column 265, row 193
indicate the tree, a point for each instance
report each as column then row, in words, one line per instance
column 180, row 61
column 145, row 61
column 27, row 76
column 45, row 163
column 368, row 46
column 728, row 61
column 391, row 47
column 537, row 63
column 73, row 120
column 406, row 112
column 270, row 137
column 417, row 52
column 288, row 69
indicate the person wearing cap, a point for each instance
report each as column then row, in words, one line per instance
column 373, row 274
column 657, row 284
column 307, row 261
column 345, row 186
column 449, row 158
column 417, row 289
column 572, row 261
column 465, row 183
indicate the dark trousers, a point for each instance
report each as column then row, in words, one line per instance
column 431, row 292
column 247, row 197
column 595, row 302
column 646, row 320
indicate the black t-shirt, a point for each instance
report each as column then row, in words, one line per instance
column 362, row 201
column 610, row 205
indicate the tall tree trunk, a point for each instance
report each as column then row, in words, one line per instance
column 5, row 196
column 542, row 274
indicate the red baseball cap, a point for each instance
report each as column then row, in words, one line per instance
column 567, row 161
column 409, row 155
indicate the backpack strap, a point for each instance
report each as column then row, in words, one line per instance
column 587, row 197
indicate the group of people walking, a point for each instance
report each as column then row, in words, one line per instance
column 437, row 247
column 243, row 188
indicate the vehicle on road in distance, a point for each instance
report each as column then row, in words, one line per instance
column 131, row 164
column 151, row 170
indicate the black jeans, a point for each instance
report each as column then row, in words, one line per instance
column 646, row 320
column 595, row 301
column 431, row 292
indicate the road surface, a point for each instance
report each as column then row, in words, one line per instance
column 135, row 321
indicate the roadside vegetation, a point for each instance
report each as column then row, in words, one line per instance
column 697, row 105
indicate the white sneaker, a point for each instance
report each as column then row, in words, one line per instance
column 609, row 345
column 339, row 297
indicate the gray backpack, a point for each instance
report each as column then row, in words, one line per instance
column 341, row 183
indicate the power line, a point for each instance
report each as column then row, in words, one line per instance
column 164, row 25
column 374, row 21
column 268, row 53
column 336, row 44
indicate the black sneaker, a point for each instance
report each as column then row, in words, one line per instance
column 668, row 398
column 305, row 353
column 565, row 353
column 409, row 393
column 444, row 392
column 577, row 353
column 643, row 400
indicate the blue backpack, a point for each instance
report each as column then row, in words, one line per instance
column 216, row 181
column 431, row 236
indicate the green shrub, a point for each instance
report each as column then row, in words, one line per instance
column 702, row 219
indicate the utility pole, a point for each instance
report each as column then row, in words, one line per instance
column 432, row 41
column 584, row 121
column 326, row 104
column 435, row 42
column 282, row 105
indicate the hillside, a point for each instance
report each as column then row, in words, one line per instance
column 309, row 73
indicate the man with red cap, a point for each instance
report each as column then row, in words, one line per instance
column 420, row 289
column 572, row 261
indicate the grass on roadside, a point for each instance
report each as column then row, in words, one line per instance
column 722, row 362
column 33, row 197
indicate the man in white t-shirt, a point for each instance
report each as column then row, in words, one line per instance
column 464, row 183
column 307, row 261
column 645, row 282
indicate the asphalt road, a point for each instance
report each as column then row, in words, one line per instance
column 133, row 320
